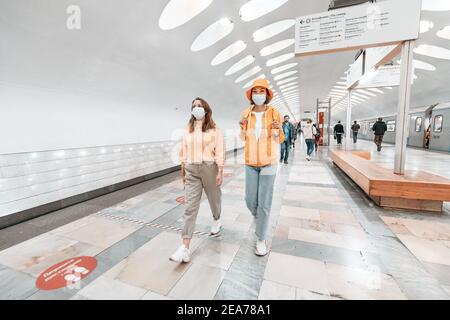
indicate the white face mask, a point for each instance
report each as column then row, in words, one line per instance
column 198, row 113
column 259, row 99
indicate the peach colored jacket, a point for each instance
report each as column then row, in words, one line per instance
column 265, row 150
column 199, row 146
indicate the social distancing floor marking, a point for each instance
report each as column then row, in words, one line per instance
column 155, row 225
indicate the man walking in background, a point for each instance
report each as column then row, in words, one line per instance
column 338, row 132
column 355, row 129
column 379, row 129
column 288, row 130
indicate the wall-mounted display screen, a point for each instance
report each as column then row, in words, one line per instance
column 390, row 126
column 418, row 124
column 438, row 120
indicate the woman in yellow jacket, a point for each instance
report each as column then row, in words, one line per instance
column 261, row 130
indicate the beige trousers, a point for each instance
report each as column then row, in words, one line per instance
column 199, row 177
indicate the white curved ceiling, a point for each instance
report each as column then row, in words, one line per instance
column 122, row 52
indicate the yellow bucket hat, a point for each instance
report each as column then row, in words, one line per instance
column 260, row 83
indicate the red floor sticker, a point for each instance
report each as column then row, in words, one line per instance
column 180, row 199
column 67, row 273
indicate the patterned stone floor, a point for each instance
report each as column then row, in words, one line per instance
column 328, row 241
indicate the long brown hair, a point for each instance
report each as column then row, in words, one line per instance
column 208, row 122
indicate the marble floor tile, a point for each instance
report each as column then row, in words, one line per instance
column 160, row 274
column 328, row 238
column 98, row 231
column 15, row 285
column 357, row 284
column 333, row 217
column 432, row 230
column 154, row 296
column 302, row 294
column 433, row 251
column 439, row 271
column 300, row 213
column 215, row 254
column 276, row 291
column 298, row 272
column 37, row 254
column 200, row 282
column 104, row 288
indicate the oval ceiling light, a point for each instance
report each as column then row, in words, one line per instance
column 296, row 87
column 444, row 33
column 296, row 91
column 285, row 75
column 178, row 12
column 213, row 34
column 248, row 74
column 255, row 9
column 419, row 64
column 376, row 90
column 280, row 59
column 289, row 85
column 284, row 68
column 433, row 51
column 272, row 30
column 279, row 83
column 229, row 52
column 426, row 26
column 241, row 64
column 435, row 5
column 277, row 46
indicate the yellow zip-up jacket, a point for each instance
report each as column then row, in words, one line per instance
column 265, row 150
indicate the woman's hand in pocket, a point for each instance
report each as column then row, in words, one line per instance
column 219, row 179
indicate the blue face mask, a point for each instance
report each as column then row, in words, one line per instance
column 259, row 99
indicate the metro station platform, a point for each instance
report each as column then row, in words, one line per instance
column 327, row 241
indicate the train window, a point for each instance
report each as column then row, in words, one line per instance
column 418, row 124
column 438, row 123
column 390, row 126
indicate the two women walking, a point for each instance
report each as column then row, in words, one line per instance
column 202, row 156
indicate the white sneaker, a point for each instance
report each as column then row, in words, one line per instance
column 261, row 248
column 215, row 228
column 308, row 158
column 182, row 254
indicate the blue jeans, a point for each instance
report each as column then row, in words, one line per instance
column 310, row 146
column 355, row 136
column 285, row 146
column 259, row 184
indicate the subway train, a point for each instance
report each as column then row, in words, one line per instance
column 429, row 127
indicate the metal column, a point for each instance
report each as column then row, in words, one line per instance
column 348, row 124
column 403, row 106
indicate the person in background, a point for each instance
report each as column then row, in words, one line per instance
column 262, row 132
column 427, row 138
column 338, row 132
column 379, row 129
column 288, row 130
column 309, row 131
column 202, row 156
column 355, row 129
column 316, row 137
column 295, row 133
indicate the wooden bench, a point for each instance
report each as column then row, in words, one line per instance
column 416, row 190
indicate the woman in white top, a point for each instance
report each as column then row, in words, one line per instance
column 309, row 132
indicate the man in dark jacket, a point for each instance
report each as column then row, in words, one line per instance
column 288, row 130
column 379, row 129
column 355, row 129
column 338, row 132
